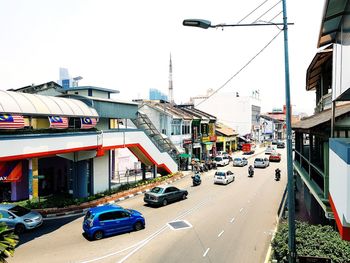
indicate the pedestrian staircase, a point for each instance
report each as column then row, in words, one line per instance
column 164, row 144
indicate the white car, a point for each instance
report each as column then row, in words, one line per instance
column 261, row 163
column 238, row 161
column 223, row 177
column 221, row 160
column 270, row 150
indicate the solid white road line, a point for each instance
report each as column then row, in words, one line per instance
column 206, row 252
column 221, row 233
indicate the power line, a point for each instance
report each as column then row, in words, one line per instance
column 256, row 20
column 275, row 16
column 242, row 68
column 252, row 11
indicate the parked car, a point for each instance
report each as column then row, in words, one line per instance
column 223, row 177
column 281, row 145
column 221, row 160
column 106, row 220
column 238, row 161
column 275, row 157
column 225, row 154
column 19, row 218
column 163, row 195
column 269, row 149
column 261, row 163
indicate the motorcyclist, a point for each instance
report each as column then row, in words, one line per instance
column 196, row 178
column 250, row 170
column 277, row 174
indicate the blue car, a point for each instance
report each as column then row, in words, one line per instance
column 102, row 221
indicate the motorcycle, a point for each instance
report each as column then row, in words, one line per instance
column 196, row 179
column 250, row 171
column 277, row 174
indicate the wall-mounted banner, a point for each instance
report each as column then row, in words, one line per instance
column 57, row 122
column 10, row 171
column 9, row 121
column 88, row 123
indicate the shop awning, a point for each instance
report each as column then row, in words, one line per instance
column 184, row 155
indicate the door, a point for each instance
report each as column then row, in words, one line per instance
column 171, row 193
column 7, row 218
column 124, row 221
column 108, row 223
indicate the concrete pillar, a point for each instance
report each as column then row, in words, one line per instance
column 154, row 170
column 80, row 178
column 143, row 171
column 33, row 180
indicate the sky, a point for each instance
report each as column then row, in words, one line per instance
column 126, row 46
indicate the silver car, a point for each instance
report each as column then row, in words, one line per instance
column 19, row 218
column 240, row 161
column 261, row 163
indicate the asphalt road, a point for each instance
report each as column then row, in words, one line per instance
column 232, row 223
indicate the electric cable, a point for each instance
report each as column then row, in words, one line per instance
column 275, row 17
column 242, row 68
column 256, row 20
column 252, row 11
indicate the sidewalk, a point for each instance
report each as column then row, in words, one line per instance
column 53, row 213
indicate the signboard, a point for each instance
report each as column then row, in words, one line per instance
column 206, row 139
column 188, row 141
column 341, row 65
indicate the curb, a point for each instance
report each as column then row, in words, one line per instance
column 83, row 211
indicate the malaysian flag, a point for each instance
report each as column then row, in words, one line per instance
column 88, row 123
column 8, row 121
column 57, row 122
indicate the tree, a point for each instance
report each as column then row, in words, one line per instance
column 8, row 242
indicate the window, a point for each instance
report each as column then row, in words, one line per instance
column 121, row 214
column 5, row 214
column 107, row 216
column 186, row 127
column 175, row 127
column 157, row 190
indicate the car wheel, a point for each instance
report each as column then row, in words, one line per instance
column 98, row 235
column 138, row 226
column 184, row 196
column 165, row 202
column 19, row 228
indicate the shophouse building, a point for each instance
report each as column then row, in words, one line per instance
column 322, row 141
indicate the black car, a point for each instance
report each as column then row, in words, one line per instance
column 165, row 194
column 281, row 145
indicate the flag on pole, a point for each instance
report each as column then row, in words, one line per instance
column 9, row 121
column 88, row 123
column 57, row 122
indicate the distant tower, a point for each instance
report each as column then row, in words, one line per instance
column 171, row 95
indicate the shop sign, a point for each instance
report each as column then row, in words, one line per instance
column 220, row 139
column 213, row 138
column 206, row 139
column 187, row 141
column 196, row 145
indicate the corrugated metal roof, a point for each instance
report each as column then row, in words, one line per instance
column 314, row 71
column 33, row 104
column 333, row 14
column 321, row 117
column 225, row 130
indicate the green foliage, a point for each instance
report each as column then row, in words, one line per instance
column 8, row 242
column 65, row 200
column 311, row 240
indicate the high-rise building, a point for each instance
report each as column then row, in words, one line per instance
column 155, row 94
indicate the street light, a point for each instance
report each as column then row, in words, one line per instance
column 201, row 23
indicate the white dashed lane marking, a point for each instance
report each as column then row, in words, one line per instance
column 206, row 252
column 221, row 233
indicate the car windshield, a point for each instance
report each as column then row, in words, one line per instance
column 89, row 216
column 220, row 173
column 157, row 190
column 19, row 210
column 218, row 158
column 259, row 160
column 237, row 159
